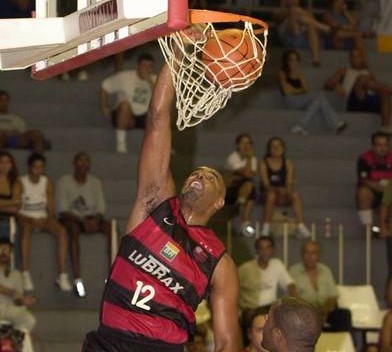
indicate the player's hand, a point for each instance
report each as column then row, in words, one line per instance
column 194, row 33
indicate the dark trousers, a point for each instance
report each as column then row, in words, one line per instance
column 339, row 320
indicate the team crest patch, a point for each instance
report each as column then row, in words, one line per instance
column 169, row 251
column 199, row 254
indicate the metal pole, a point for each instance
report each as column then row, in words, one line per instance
column 12, row 234
column 313, row 231
column 285, row 243
column 368, row 253
column 341, row 254
column 257, row 229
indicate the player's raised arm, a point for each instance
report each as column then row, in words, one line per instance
column 155, row 182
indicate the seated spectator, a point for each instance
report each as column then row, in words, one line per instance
column 316, row 285
column 37, row 213
column 255, row 322
column 299, row 29
column 344, row 27
column 10, row 192
column 13, row 133
column 296, row 94
column 374, row 169
column 133, row 90
column 241, row 166
column 277, row 186
column 385, row 344
column 81, row 210
column 261, row 277
column 13, row 301
column 361, row 90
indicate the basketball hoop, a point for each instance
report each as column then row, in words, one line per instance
column 204, row 82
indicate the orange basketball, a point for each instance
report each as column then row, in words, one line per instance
column 230, row 58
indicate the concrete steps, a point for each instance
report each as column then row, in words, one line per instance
column 68, row 113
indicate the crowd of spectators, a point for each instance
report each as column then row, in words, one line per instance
column 32, row 198
column 76, row 207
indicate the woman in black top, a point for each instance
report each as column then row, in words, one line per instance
column 277, row 185
column 296, row 95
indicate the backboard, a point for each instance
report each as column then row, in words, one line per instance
column 100, row 28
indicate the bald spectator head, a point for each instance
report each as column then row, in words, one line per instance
column 292, row 325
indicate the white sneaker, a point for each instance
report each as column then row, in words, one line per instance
column 80, row 288
column 297, row 129
column 247, row 229
column 302, row 231
column 27, row 281
column 63, row 282
column 122, row 148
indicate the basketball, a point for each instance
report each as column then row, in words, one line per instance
column 230, row 59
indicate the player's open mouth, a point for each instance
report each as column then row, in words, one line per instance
column 197, row 185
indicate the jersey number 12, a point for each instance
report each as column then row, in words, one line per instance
column 141, row 302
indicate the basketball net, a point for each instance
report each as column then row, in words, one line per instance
column 199, row 95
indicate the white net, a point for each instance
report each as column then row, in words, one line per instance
column 208, row 67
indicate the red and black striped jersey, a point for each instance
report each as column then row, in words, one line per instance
column 160, row 275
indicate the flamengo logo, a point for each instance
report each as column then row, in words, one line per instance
column 98, row 15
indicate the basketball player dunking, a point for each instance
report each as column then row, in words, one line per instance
column 169, row 261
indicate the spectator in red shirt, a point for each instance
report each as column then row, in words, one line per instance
column 374, row 169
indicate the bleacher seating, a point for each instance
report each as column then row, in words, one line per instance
column 68, row 113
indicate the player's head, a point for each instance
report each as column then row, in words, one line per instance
column 81, row 162
column 255, row 328
column 290, row 59
column 292, row 324
column 204, row 190
column 8, row 166
column 145, row 65
column 4, row 101
column 264, row 246
column 310, row 254
column 243, row 143
column 36, row 164
column 380, row 143
column 275, row 147
column 5, row 250
column 357, row 59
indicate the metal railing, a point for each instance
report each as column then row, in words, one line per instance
column 285, row 234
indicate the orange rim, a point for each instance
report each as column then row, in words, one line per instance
column 206, row 16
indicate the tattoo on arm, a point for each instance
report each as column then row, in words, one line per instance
column 150, row 198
